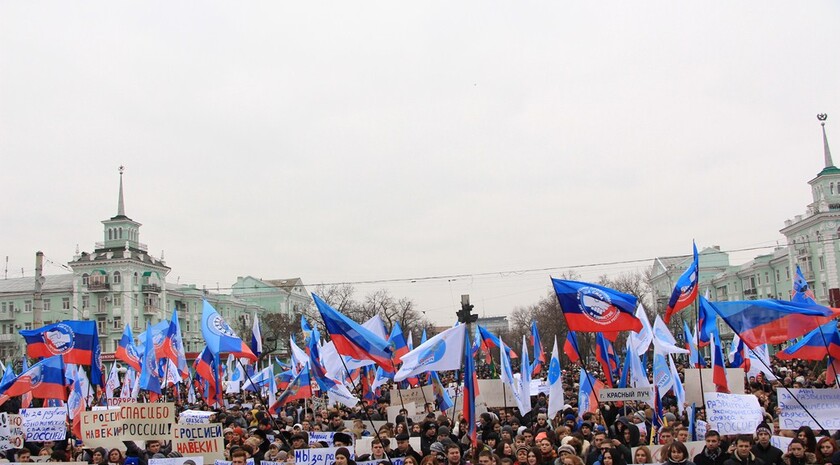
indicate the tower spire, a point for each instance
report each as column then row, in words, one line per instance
column 121, row 202
column 826, row 150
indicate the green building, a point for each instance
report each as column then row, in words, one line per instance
column 120, row 283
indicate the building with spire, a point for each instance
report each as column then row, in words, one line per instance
column 121, row 283
column 811, row 243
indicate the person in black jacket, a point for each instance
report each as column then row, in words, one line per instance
column 712, row 453
column 763, row 450
column 743, row 454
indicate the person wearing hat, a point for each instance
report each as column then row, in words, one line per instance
column 342, row 440
column 300, row 440
column 404, row 448
column 443, row 433
column 763, row 450
column 342, row 457
column 428, row 437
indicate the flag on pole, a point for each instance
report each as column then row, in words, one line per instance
column 663, row 340
column 113, row 382
column 685, row 290
column 539, row 353
column 76, row 341
column 605, row 355
column 299, row 388
column 695, row 359
column 442, row 399
column 679, row 389
column 737, row 354
column 706, row 320
column 588, row 393
column 75, row 407
column 440, row 353
column 570, row 348
column 815, row 345
column 43, row 380
column 126, row 351
column 525, row 378
column 555, row 382
column 641, row 341
column 594, row 308
column 220, row 337
column 470, row 392
column 256, row 335
column 719, row 369
column 802, row 292
column 352, row 339
column 148, row 370
column 173, row 348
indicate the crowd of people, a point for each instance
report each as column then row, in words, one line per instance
column 612, row 434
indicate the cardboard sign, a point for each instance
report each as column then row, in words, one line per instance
column 693, row 393
column 44, row 424
column 196, row 460
column 131, row 422
column 204, row 440
column 644, row 394
column 494, row 393
column 733, row 413
column 11, row 431
column 823, row 404
column 327, row 437
column 322, row 456
column 419, row 396
column 780, row 442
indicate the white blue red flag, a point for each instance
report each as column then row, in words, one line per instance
column 685, row 290
column 555, row 382
column 593, row 308
column 440, row 353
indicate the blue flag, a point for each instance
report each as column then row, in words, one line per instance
column 148, row 374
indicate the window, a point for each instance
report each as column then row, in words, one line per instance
column 3, row 307
column 85, row 279
column 116, row 344
column 187, row 325
column 766, row 277
column 120, row 233
column 136, row 323
column 117, row 277
column 136, row 278
column 100, row 325
column 65, row 303
column 787, row 272
column 117, row 300
column 822, row 263
column 831, row 186
column 85, row 301
column 822, row 288
column 758, row 278
column 27, row 305
column 117, row 322
column 47, row 305
column 778, row 276
column 27, row 326
column 110, row 237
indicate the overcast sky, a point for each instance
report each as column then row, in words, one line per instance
column 374, row 140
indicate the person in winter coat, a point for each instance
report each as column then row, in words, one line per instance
column 712, row 453
column 765, row 451
column 798, row 455
column 742, row 453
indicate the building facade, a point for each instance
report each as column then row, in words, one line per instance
column 812, row 243
column 119, row 283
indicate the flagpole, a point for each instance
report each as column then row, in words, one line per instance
column 259, row 394
column 402, row 405
column 697, row 345
column 364, row 409
column 760, row 359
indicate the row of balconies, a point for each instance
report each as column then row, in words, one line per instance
column 102, row 287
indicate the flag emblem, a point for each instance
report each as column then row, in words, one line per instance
column 59, row 340
column 36, row 377
column 596, row 305
column 219, row 326
column 433, row 353
column 553, row 370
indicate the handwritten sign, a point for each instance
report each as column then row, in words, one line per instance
column 824, row 405
column 130, row 422
column 195, row 417
column 780, row 442
column 44, row 424
column 204, row 440
column 733, row 413
column 327, row 437
column 11, row 431
column 322, row 456
column 197, row 460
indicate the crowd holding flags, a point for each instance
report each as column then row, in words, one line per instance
column 362, row 356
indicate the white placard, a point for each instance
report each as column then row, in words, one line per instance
column 693, row 394
column 44, row 424
column 322, row 456
column 733, row 413
column 644, row 394
column 823, row 404
column 195, row 417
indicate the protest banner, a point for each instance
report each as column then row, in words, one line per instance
column 195, row 417
column 362, row 445
column 419, row 396
column 539, row 386
column 394, row 410
column 44, row 424
column 376, row 425
column 700, row 428
column 780, row 442
column 824, row 405
column 657, row 451
column 644, row 394
column 494, row 393
column 228, row 462
column 195, row 460
column 11, row 434
column 394, row 461
column 322, row 456
column 204, row 440
column 691, row 383
column 733, row 413
column 327, row 437
column 130, row 422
